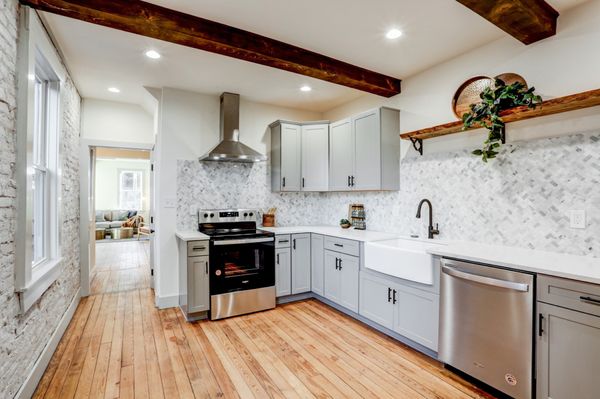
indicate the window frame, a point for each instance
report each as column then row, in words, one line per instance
column 38, row 60
column 140, row 172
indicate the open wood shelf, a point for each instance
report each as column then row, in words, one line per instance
column 548, row 107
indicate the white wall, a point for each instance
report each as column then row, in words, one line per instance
column 565, row 64
column 107, row 181
column 115, row 121
column 189, row 127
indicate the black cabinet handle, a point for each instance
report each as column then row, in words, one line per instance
column 198, row 248
column 294, row 243
column 277, row 258
column 338, row 245
column 389, row 294
column 336, row 263
column 340, row 264
column 284, row 182
column 284, row 241
column 303, row 182
column 206, row 266
column 540, row 326
column 394, row 297
column 352, row 181
column 348, row 181
column 590, row 300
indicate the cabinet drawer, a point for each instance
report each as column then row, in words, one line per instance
column 576, row 295
column 282, row 241
column 197, row 248
column 342, row 245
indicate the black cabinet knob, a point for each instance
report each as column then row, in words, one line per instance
column 212, row 215
column 245, row 214
column 251, row 213
column 206, row 215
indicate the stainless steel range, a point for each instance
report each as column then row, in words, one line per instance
column 241, row 262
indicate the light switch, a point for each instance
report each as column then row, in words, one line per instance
column 170, row 202
column 577, row 218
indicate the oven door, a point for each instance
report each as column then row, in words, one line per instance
column 241, row 264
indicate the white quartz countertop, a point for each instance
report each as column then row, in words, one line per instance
column 190, row 235
column 334, row 231
column 582, row 268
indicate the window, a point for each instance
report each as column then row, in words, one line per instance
column 38, row 256
column 130, row 190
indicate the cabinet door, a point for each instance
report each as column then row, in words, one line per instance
column 348, row 270
column 198, row 287
column 341, row 155
column 316, row 261
column 376, row 300
column 290, row 157
column 367, row 150
column 416, row 315
column 315, row 158
column 283, row 272
column 568, row 352
column 300, row 263
column 331, row 279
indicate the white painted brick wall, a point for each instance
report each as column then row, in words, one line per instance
column 23, row 337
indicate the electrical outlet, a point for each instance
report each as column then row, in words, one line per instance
column 577, row 218
column 170, row 202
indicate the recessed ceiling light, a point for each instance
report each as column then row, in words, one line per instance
column 393, row 33
column 153, row 54
column 305, row 88
column 114, row 90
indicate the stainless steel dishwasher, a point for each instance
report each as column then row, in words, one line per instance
column 486, row 325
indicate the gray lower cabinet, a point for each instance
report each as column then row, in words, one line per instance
column 198, row 286
column 300, row 263
column 568, row 339
column 340, row 283
column 410, row 312
column 283, row 272
column 316, row 262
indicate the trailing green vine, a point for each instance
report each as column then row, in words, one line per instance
column 495, row 99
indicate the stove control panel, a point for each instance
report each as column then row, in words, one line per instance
column 227, row 215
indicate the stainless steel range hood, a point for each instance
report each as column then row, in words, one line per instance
column 230, row 149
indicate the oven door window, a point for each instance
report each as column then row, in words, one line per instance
column 240, row 261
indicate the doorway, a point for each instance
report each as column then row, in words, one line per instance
column 122, row 214
column 117, row 185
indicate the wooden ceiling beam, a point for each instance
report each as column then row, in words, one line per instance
column 162, row 23
column 527, row 20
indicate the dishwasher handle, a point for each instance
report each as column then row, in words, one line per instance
column 511, row 285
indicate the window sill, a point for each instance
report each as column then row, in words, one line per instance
column 42, row 278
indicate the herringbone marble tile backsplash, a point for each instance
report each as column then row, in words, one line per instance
column 521, row 199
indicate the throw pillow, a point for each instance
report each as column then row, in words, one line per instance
column 100, row 216
column 131, row 214
column 122, row 215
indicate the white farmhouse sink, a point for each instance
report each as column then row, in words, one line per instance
column 404, row 258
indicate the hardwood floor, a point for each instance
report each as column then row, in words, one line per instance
column 121, row 266
column 120, row 345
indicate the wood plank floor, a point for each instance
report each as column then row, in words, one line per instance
column 119, row 345
column 121, row 266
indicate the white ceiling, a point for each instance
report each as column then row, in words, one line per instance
column 349, row 30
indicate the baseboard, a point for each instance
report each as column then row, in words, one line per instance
column 165, row 302
column 34, row 377
column 295, row 297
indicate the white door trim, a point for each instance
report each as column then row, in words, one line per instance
column 84, row 198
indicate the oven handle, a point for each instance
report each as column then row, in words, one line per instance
column 485, row 280
column 244, row 241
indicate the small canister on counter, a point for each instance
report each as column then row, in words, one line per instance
column 269, row 218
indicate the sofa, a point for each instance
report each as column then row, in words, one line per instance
column 109, row 219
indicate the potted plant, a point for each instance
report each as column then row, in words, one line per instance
column 345, row 223
column 494, row 100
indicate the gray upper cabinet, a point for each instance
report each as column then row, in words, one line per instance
column 301, row 263
column 286, row 149
column 341, row 155
column 364, row 151
column 315, row 157
column 568, row 339
column 340, row 283
column 316, row 262
column 283, row 272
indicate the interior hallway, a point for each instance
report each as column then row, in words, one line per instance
column 121, row 266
